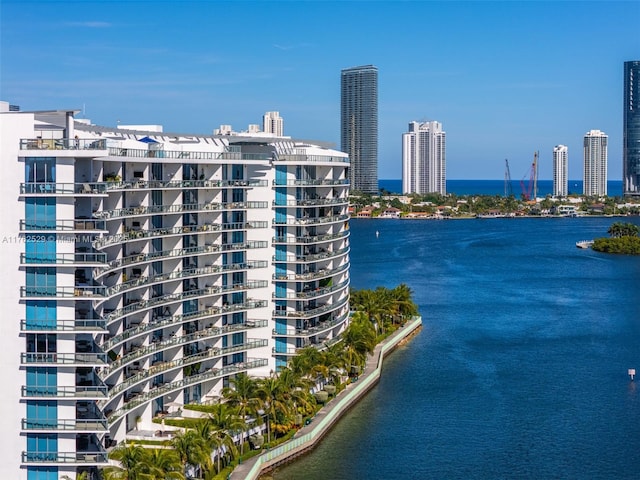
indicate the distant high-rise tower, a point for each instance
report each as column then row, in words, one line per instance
column 424, row 158
column 359, row 125
column 560, row 170
column 631, row 129
column 595, row 163
column 273, row 123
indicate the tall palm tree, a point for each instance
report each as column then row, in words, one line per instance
column 243, row 395
column 133, row 461
column 270, row 391
column 403, row 302
column 191, row 449
column 164, row 464
column 223, row 419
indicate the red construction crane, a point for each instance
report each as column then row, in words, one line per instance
column 530, row 191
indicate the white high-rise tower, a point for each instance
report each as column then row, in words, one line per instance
column 595, row 163
column 424, row 158
column 273, row 123
column 560, row 170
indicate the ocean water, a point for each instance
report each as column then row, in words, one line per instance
column 497, row 187
column 520, row 371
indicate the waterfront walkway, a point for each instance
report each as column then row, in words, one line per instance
column 309, row 435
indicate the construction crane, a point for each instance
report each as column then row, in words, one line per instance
column 508, row 188
column 530, row 191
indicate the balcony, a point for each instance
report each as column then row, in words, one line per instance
column 310, row 258
column 133, row 235
column 312, row 275
column 181, row 154
column 309, row 294
column 180, row 384
column 311, row 202
column 302, row 158
column 313, row 330
column 64, row 259
column 69, row 226
column 310, row 238
column 312, row 221
column 66, row 458
column 62, row 144
column 310, row 183
column 311, row 312
column 65, row 359
column 83, row 292
column 64, row 189
column 96, row 425
column 96, row 325
column 90, row 392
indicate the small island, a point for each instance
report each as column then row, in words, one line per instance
column 623, row 240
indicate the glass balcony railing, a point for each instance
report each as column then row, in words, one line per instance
column 139, row 184
column 82, row 458
column 312, row 330
column 78, row 425
column 79, row 224
column 84, row 292
column 162, row 367
column 311, row 221
column 312, row 275
column 148, row 257
column 181, row 155
column 81, row 392
column 301, row 158
column 93, row 188
column 131, row 235
column 63, row 258
column 180, row 384
column 59, row 325
column 309, row 294
column 63, row 144
column 314, row 257
column 310, row 183
column 311, row 312
column 311, row 238
column 310, row 202
column 64, row 358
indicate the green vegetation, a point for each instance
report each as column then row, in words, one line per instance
column 624, row 240
column 209, row 447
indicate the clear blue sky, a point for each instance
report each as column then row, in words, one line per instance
column 505, row 78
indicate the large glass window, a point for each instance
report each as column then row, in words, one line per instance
column 40, row 212
column 42, row 473
column 41, row 281
column 41, row 314
column 39, row 250
column 42, row 379
column 40, row 170
column 42, row 447
column 42, row 343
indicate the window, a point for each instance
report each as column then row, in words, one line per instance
column 42, row 343
column 40, row 212
column 41, row 281
column 40, row 170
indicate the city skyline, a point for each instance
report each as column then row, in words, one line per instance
column 499, row 66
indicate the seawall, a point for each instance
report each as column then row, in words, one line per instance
column 310, row 435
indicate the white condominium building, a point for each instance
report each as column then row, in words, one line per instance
column 273, row 123
column 145, row 269
column 560, row 170
column 424, row 159
column 595, row 163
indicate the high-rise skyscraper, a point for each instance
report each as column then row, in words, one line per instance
column 595, row 163
column 273, row 123
column 560, row 170
column 631, row 129
column 359, row 125
column 145, row 270
column 424, row 158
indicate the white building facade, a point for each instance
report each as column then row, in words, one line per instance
column 424, row 159
column 273, row 123
column 144, row 269
column 560, row 171
column 595, row 163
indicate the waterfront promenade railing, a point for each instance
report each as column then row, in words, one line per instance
column 344, row 402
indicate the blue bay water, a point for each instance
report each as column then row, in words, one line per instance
column 520, row 370
column 497, row 187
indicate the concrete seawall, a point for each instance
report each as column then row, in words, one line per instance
column 309, row 436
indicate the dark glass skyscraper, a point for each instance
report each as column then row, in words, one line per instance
column 631, row 129
column 359, row 125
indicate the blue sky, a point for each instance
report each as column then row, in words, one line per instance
column 505, row 78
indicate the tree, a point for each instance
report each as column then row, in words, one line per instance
column 243, row 395
column 270, row 391
column 134, row 463
column 191, row 449
column 164, row 464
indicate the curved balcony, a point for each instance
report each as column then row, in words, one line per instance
column 181, row 154
column 310, row 183
column 63, row 259
column 323, row 273
column 305, row 240
column 312, row 221
column 182, row 184
column 61, row 326
column 96, row 425
column 173, row 341
column 129, row 212
column 303, row 158
column 315, row 257
column 313, row 312
column 137, row 258
column 311, row 294
column 93, row 392
column 66, row 458
column 134, row 235
column 162, row 367
column 180, row 384
column 69, row 226
column 64, row 359
column 317, row 329
column 318, row 202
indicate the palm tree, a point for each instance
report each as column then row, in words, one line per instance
column 403, row 302
column 243, row 395
column 222, row 420
column 164, row 464
column 271, row 393
column 133, row 461
column 191, row 449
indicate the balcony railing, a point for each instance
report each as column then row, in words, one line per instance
column 79, row 224
column 311, row 312
column 311, row 239
column 194, row 379
column 182, row 184
column 81, row 392
column 63, row 292
column 64, row 358
column 314, row 257
column 312, row 275
column 33, row 188
column 311, row 221
column 59, row 325
column 131, row 235
column 84, row 458
column 314, row 330
column 63, row 144
column 310, row 202
column 62, row 258
column 179, row 362
column 310, row 183
column 89, row 425
column 309, row 294
column 181, row 155
column 146, row 257
column 300, row 158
